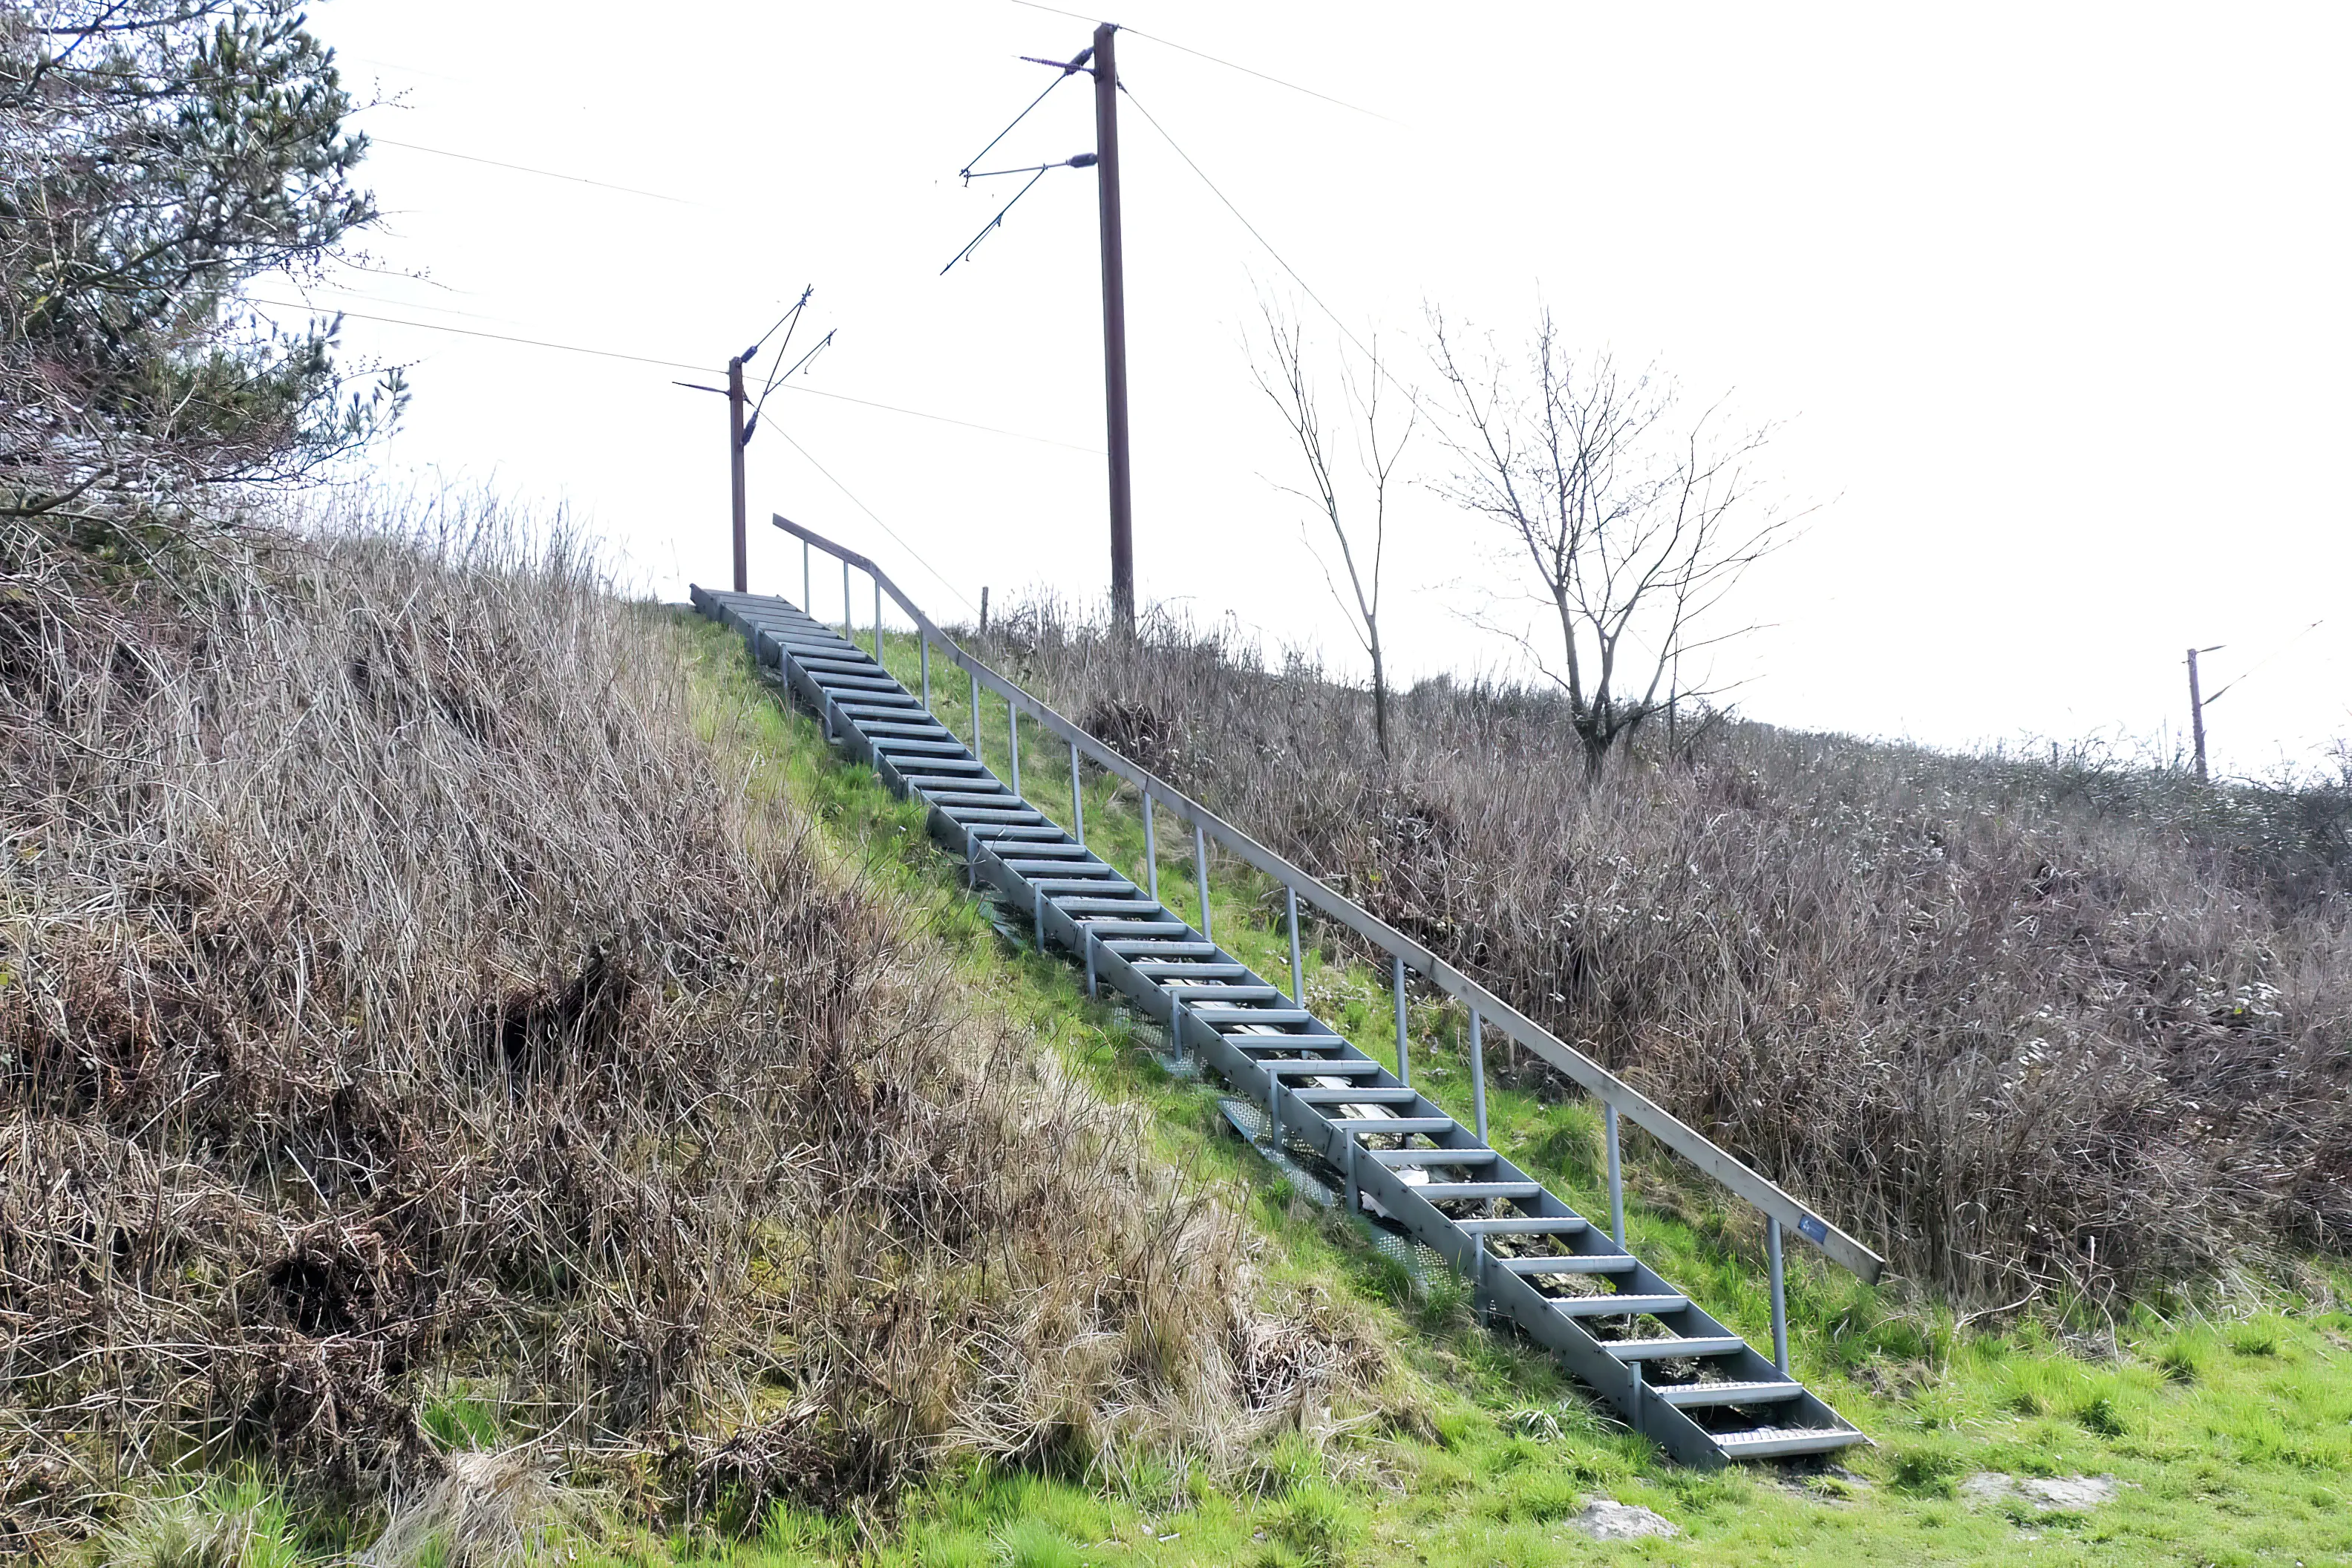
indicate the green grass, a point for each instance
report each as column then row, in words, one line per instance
column 2233, row 1438
column 2234, row 1441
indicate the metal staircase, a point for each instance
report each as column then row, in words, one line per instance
column 1316, row 1104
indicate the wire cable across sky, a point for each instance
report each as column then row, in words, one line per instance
column 1213, row 59
column 680, row 365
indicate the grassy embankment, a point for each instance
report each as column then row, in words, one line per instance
column 2231, row 1435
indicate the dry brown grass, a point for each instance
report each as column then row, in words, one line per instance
column 2074, row 1030
column 395, row 988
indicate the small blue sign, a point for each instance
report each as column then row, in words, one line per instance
column 1813, row 1230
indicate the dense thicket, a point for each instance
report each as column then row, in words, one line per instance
column 156, row 157
column 398, row 998
column 2030, row 1030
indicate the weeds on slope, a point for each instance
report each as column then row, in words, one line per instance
column 2031, row 1045
column 397, row 995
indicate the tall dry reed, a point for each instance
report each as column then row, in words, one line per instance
column 397, row 993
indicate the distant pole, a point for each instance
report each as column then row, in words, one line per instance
column 1113, row 272
column 983, row 609
column 2197, row 715
column 735, row 469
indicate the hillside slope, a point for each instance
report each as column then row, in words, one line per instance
column 2218, row 1436
column 426, row 1021
column 2059, row 1033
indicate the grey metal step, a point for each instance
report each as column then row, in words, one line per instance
column 1164, row 947
column 1675, row 1348
column 1172, row 969
column 1613, row 1305
column 1397, row 1159
column 1446, row 1191
column 1522, row 1225
column 896, row 745
column 1780, row 1442
column 1396, row 1094
column 1214, row 1015
column 1689, row 1395
column 1400, row 1125
column 1339, row 1069
column 1281, row 1042
column 1243, row 992
column 1574, row 1263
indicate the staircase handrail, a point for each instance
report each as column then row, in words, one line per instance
column 1726, row 1169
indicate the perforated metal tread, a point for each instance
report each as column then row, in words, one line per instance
column 1311, row 1097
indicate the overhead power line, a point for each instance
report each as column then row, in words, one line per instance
column 1213, row 59
column 494, row 337
column 2259, row 664
column 885, row 527
column 527, row 169
column 680, row 365
column 942, row 419
column 1238, row 216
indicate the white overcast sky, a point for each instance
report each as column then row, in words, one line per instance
column 2052, row 301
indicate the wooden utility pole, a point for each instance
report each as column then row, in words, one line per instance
column 2197, row 715
column 1114, row 273
column 735, row 469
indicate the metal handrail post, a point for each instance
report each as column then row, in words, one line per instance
column 975, row 720
column 1013, row 739
column 1477, row 1075
column 1297, row 974
column 1404, row 1046
column 1616, row 1180
column 878, row 620
column 1201, row 875
column 848, row 631
column 927, row 671
column 1150, row 848
column 1780, row 1296
column 807, row 592
column 1078, row 796
column 1087, row 931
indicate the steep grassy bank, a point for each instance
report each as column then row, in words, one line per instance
column 2037, row 1033
column 2226, row 1435
column 425, row 1024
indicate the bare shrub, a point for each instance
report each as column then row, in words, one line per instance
column 395, row 987
column 2072, row 1030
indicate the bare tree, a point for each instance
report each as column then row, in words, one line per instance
column 1634, row 524
column 1282, row 374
